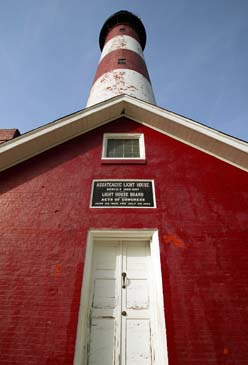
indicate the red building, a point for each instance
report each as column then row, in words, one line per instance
column 123, row 229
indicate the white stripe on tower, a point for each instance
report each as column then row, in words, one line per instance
column 122, row 68
column 124, row 42
column 122, row 82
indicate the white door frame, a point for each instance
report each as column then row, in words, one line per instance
column 159, row 320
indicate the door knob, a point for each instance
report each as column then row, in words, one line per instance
column 124, row 313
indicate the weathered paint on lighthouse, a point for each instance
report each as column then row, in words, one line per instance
column 122, row 68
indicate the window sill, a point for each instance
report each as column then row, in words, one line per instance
column 122, row 161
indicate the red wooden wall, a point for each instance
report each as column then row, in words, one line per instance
column 202, row 220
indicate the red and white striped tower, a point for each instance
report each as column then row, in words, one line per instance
column 122, row 68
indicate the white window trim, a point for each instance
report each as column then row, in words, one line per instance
column 139, row 136
column 159, row 320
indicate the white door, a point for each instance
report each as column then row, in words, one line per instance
column 120, row 310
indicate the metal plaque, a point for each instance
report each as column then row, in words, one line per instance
column 122, row 194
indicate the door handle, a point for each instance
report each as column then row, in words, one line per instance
column 124, row 275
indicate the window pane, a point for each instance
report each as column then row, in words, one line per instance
column 131, row 148
column 111, row 148
column 119, row 148
column 123, row 148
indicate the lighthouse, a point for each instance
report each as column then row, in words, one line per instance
column 122, row 68
column 123, row 229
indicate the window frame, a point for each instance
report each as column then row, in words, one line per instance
column 138, row 136
column 122, row 61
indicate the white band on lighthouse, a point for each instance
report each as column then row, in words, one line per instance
column 122, row 42
column 121, row 81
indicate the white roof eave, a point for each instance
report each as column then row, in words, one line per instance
column 224, row 147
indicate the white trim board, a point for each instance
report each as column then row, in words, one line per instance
column 210, row 141
column 152, row 237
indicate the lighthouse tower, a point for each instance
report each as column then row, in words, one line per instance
column 122, row 68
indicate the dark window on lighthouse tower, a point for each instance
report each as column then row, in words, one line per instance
column 123, row 146
column 121, row 61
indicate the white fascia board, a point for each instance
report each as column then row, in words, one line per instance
column 46, row 137
column 60, row 123
column 221, row 146
column 203, row 138
column 188, row 123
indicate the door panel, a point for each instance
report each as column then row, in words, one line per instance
column 102, row 342
column 137, row 294
column 138, row 348
column 106, row 256
column 136, row 257
column 104, row 293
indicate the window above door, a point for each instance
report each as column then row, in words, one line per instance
column 123, row 147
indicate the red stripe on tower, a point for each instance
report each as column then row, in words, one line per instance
column 122, row 68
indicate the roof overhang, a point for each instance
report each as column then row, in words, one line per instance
column 208, row 140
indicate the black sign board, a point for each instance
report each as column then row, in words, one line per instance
column 122, row 194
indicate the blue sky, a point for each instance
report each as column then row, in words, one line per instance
column 196, row 53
